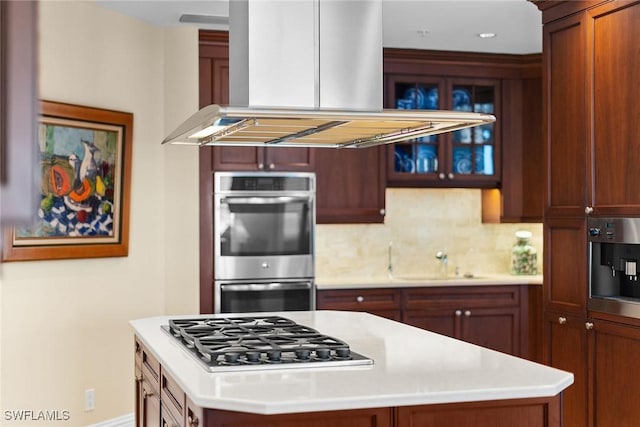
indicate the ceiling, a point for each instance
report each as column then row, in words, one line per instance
column 416, row 24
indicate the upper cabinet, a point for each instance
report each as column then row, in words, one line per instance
column 504, row 158
column 592, row 91
column 467, row 157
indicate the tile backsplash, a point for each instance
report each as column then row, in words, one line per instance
column 421, row 222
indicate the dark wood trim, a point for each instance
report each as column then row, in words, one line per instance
column 553, row 10
column 213, row 37
column 459, row 64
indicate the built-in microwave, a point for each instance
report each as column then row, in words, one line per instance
column 264, row 230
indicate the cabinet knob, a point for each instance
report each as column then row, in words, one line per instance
column 451, row 175
column 589, row 326
column 192, row 421
column 467, row 313
column 272, row 166
column 146, row 394
column 441, row 175
column 260, row 166
column 458, row 313
column 588, row 210
column 383, row 211
column 360, row 298
column 562, row 320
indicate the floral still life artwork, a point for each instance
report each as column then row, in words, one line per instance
column 83, row 183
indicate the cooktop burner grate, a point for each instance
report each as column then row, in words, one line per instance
column 263, row 342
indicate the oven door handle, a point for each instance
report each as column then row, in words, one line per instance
column 246, row 287
column 263, row 200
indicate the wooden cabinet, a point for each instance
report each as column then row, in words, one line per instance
column 384, row 302
column 498, row 317
column 147, row 370
column 504, row 156
column 488, row 316
column 171, row 407
column 463, row 158
column 590, row 123
column 536, row 412
column 601, row 354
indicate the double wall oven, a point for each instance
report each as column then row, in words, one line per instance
column 264, row 226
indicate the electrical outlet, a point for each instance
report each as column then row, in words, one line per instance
column 89, row 399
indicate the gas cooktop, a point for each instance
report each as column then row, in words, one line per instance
column 263, row 342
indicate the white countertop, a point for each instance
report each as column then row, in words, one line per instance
column 411, row 367
column 417, row 281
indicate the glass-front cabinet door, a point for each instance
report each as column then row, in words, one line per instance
column 463, row 158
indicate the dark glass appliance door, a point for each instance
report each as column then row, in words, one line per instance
column 249, row 298
column 265, row 226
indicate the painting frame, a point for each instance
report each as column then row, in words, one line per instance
column 111, row 125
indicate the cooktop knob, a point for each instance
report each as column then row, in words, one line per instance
column 302, row 353
column 231, row 357
column 253, row 356
column 343, row 352
column 274, row 355
column 323, row 353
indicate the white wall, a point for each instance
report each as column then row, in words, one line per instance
column 64, row 324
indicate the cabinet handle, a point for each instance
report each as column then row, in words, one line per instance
column 441, row 175
column 360, row 298
column 260, row 166
column 562, row 320
column 589, row 326
column 467, row 313
column 146, row 394
column 451, row 175
column 458, row 313
column 272, row 166
column 192, row 421
column 588, row 210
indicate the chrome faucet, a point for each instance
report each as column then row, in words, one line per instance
column 444, row 261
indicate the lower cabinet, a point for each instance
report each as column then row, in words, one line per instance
column 497, row 317
column 488, row 316
column 602, row 355
column 147, row 372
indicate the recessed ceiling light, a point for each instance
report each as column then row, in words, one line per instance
column 422, row 33
column 487, row 35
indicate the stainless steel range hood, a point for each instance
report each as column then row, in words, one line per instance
column 309, row 73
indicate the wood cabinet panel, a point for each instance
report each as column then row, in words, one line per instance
column 376, row 417
column 381, row 302
column 615, row 374
column 565, row 347
column 350, row 185
column 565, row 259
column 495, row 328
column 461, row 297
column 441, row 321
column 533, row 412
column 566, row 99
column 613, row 64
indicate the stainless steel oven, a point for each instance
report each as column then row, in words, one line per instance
column 264, row 226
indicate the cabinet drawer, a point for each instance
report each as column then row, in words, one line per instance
column 359, row 299
column 150, row 366
column 172, row 396
column 461, row 297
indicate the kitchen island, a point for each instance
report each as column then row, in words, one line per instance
column 417, row 378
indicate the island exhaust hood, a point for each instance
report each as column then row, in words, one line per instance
column 309, row 74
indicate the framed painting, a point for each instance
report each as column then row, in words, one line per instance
column 85, row 179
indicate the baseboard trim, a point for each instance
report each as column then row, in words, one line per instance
column 127, row 420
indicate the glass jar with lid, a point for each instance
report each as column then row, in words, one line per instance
column 524, row 256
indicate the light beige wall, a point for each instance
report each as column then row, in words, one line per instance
column 65, row 324
column 421, row 222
